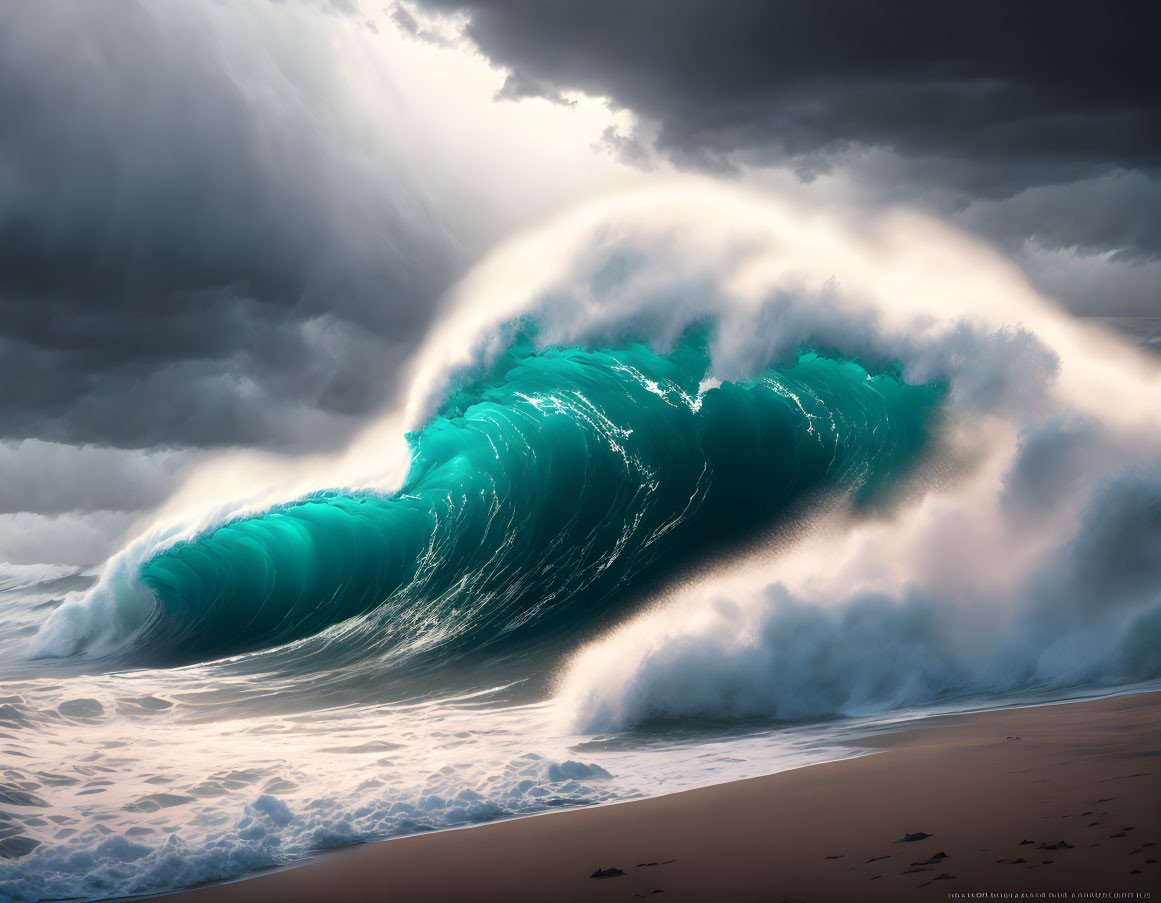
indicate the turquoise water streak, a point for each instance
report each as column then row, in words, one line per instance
column 544, row 487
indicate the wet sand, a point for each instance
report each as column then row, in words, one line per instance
column 1027, row 802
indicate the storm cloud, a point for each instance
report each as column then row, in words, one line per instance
column 957, row 105
column 202, row 240
column 1018, row 94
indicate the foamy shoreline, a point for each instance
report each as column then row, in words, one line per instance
column 816, row 832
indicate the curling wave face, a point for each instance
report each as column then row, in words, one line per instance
column 545, row 485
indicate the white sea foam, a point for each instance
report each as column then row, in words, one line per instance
column 153, row 796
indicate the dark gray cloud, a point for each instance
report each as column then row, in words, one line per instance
column 80, row 540
column 1048, row 91
column 1114, row 211
column 74, row 504
column 200, row 242
column 976, row 101
column 51, row 479
column 203, row 243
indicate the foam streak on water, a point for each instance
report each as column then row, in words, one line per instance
column 166, row 789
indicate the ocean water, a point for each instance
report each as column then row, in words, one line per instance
column 140, row 781
column 358, row 665
column 684, row 541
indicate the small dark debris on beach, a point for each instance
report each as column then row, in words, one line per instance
column 1130, row 828
column 645, row 865
column 1025, row 843
column 911, row 838
column 839, row 856
column 1046, row 862
column 1136, row 872
column 875, row 859
column 1061, row 845
column 607, row 873
column 1093, row 824
column 1121, row 834
column 1150, row 862
column 913, row 871
column 944, row 877
column 1087, row 813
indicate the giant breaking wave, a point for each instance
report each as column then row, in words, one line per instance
column 547, row 483
column 658, row 377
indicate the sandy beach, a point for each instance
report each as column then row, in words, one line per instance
column 1025, row 803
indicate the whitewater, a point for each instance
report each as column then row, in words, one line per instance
column 690, row 484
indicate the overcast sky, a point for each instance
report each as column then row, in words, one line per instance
column 227, row 225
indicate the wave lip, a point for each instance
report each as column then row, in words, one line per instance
column 547, row 483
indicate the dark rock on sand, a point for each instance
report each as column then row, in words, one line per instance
column 607, row 873
column 911, row 838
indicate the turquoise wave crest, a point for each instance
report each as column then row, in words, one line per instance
column 547, row 485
